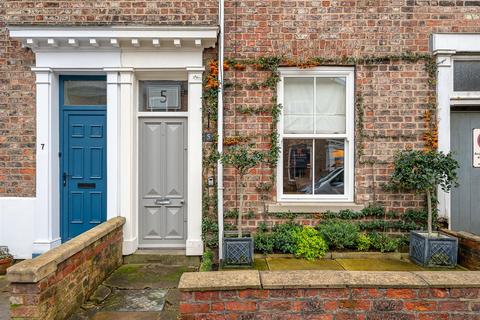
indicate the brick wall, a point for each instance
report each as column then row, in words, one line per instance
column 55, row 284
column 468, row 248
column 17, row 82
column 395, row 95
column 427, row 295
column 329, row 304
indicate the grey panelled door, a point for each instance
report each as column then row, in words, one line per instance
column 465, row 209
column 162, row 185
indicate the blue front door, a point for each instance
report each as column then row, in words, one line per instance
column 83, row 156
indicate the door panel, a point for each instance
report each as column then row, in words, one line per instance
column 465, row 210
column 162, row 181
column 83, row 171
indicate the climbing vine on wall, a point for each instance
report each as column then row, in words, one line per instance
column 270, row 65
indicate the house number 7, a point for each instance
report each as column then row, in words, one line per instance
column 42, row 145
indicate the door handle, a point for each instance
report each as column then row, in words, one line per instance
column 64, row 178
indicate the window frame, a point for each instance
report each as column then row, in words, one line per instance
column 462, row 94
column 349, row 136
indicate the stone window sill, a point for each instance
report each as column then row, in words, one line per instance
column 312, row 207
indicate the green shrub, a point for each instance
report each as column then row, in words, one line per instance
column 339, row 234
column 207, row 261
column 363, row 242
column 263, row 241
column 383, row 242
column 284, row 237
column 309, row 244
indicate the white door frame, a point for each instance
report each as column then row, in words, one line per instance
column 119, row 53
column 447, row 47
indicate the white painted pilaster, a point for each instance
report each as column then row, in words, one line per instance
column 444, row 89
column 47, row 216
column 127, row 181
column 194, row 245
column 113, row 143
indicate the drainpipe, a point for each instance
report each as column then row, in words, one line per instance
column 221, row 19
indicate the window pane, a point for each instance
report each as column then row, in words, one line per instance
column 84, row 93
column 163, row 96
column 297, row 169
column 330, row 105
column 298, row 105
column 329, row 166
column 466, row 76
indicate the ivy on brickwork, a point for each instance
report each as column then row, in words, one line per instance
column 269, row 65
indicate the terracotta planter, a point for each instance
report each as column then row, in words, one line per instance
column 4, row 265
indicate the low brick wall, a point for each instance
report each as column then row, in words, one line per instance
column 56, row 283
column 330, row 295
column 468, row 248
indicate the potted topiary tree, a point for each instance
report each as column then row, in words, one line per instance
column 422, row 172
column 6, row 260
column 239, row 250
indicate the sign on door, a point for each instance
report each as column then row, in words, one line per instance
column 476, row 148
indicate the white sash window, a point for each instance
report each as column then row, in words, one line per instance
column 317, row 131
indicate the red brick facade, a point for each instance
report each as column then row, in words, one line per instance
column 395, row 94
column 17, row 82
column 329, row 304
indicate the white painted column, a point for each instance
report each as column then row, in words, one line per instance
column 47, row 215
column 113, row 148
column 127, row 161
column 444, row 89
column 194, row 245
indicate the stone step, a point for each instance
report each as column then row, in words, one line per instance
column 165, row 257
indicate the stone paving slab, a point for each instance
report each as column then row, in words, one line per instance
column 135, row 300
column 302, row 264
column 144, row 276
column 126, row 316
column 378, row 265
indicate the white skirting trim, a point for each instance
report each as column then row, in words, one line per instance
column 194, row 248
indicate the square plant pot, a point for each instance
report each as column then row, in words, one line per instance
column 238, row 251
column 438, row 250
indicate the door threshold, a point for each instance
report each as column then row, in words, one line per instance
column 161, row 251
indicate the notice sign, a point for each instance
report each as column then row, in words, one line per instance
column 476, row 148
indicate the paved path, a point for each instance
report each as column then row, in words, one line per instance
column 4, row 299
column 136, row 291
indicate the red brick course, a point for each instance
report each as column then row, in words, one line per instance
column 348, row 303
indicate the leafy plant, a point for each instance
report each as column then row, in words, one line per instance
column 210, row 232
column 421, row 172
column 5, row 254
column 339, row 234
column 207, row 260
column 264, row 242
column 284, row 237
column 309, row 244
column 363, row 242
column 384, row 243
column 242, row 159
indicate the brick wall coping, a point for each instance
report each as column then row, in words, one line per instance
column 462, row 234
column 34, row 270
column 252, row 279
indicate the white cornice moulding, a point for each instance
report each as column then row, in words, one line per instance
column 115, row 36
column 441, row 43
